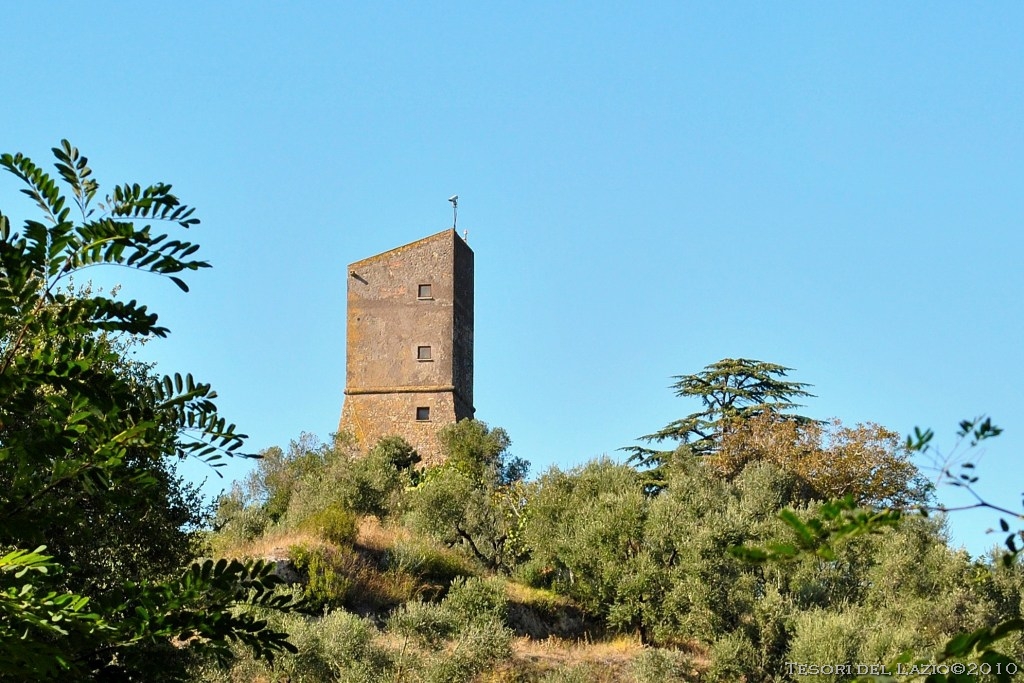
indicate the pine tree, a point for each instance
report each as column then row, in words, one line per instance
column 731, row 390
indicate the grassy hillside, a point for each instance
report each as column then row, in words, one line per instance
column 394, row 605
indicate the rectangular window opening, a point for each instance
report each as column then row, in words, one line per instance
column 423, row 414
column 423, row 292
column 423, row 353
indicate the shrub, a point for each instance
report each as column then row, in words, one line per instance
column 579, row 673
column 395, row 451
column 428, row 561
column 236, row 522
column 348, row 647
column 475, row 600
column 369, row 484
column 476, row 518
column 456, row 639
column 657, row 665
column 733, row 658
column 481, row 453
column 428, row 624
column 582, row 527
column 336, row 647
column 278, row 473
column 477, row 648
column 822, row 636
column 334, row 524
column 327, row 582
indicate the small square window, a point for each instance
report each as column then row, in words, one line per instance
column 423, row 292
column 422, row 414
column 423, row 353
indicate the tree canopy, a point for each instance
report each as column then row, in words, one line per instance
column 731, row 391
column 84, row 442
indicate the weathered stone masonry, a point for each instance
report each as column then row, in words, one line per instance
column 409, row 362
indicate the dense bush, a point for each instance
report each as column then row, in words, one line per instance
column 660, row 566
column 454, row 640
column 338, row 646
column 475, row 500
column 655, row 666
column 334, row 524
column 327, row 583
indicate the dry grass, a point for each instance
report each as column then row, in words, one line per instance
column 375, row 536
column 613, row 653
column 611, row 660
column 386, row 565
column 373, row 589
column 372, row 535
column 607, row 661
column 528, row 595
column 272, row 545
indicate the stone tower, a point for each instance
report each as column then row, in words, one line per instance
column 409, row 361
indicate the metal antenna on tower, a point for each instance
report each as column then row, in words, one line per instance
column 454, row 199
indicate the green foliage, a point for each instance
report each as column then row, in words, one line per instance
column 454, row 640
column 927, row 593
column 84, row 437
column 429, row 624
column 579, row 673
column 338, row 646
column 396, row 452
column 438, row 505
column 334, row 524
column 835, row 519
column 660, row 566
column 313, row 486
column 473, row 651
column 476, row 601
column 200, row 608
column 733, row 658
column 466, row 629
column 584, row 532
column 656, row 665
column 348, row 646
column 272, row 484
column 729, row 574
column 480, row 453
column 41, row 630
column 476, row 499
column 730, row 390
column 234, row 522
column 373, row 482
column 327, row 582
column 32, row 617
column 428, row 560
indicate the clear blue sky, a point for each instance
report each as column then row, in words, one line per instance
column 648, row 188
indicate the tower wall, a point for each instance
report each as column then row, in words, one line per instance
column 410, row 350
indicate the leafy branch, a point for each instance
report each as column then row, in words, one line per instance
column 80, row 429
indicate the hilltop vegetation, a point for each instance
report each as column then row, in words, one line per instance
column 593, row 554
column 651, row 570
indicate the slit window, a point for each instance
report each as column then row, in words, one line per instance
column 423, row 353
column 423, row 414
column 423, row 292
